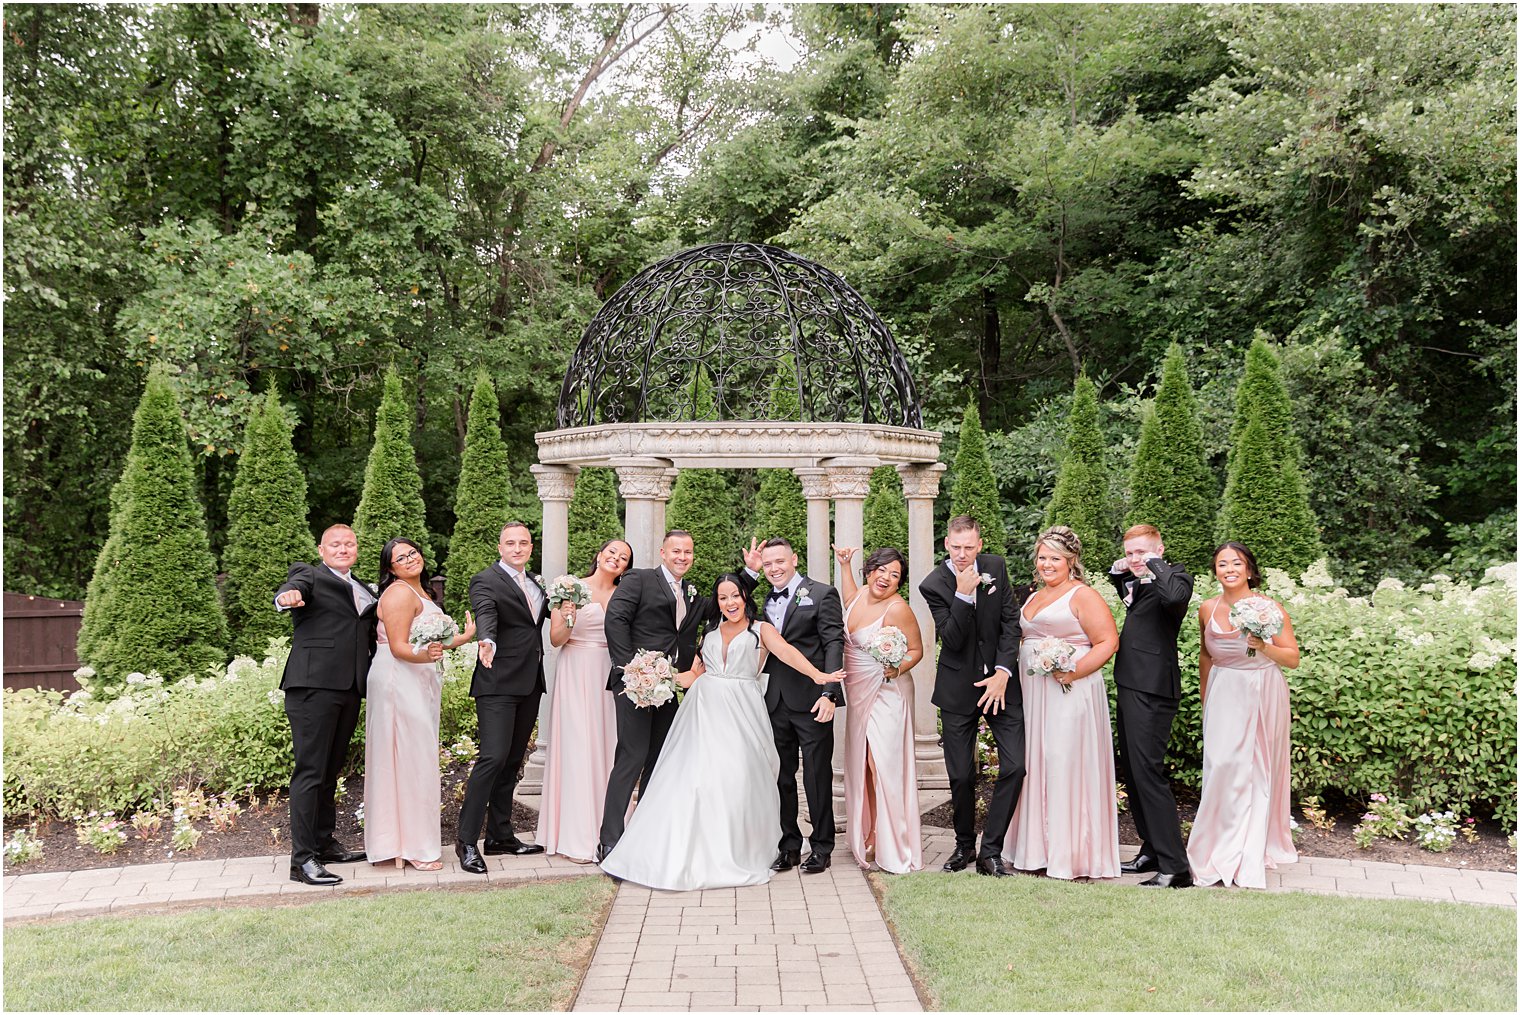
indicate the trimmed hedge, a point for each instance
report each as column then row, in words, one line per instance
column 391, row 504
column 1171, row 486
column 481, row 500
column 1080, row 500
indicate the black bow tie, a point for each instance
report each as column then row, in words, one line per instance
column 775, row 596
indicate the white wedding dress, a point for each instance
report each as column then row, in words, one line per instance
column 712, row 815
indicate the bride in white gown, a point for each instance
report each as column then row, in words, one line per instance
column 712, row 814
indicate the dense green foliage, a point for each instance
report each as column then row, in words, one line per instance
column 1171, row 486
column 886, row 512
column 781, row 510
column 152, row 604
column 266, row 528
column 1080, row 500
column 481, row 500
column 391, row 505
column 1266, row 504
column 975, row 490
column 594, row 518
column 702, row 503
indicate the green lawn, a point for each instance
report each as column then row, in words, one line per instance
column 1026, row 943
column 517, row 948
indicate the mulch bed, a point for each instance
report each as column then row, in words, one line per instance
column 1491, row 851
column 260, row 831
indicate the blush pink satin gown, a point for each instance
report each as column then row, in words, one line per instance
column 582, row 738
column 402, row 797
column 879, row 721
column 1243, row 827
column 1067, row 819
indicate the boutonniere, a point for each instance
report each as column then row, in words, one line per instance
column 987, row 582
column 538, row 580
column 804, row 596
column 691, row 593
column 374, row 589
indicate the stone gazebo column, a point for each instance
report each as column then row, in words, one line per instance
column 645, row 485
column 920, row 487
column 815, row 490
column 556, row 485
column 849, row 481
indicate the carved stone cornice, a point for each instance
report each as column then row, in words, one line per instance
column 555, row 482
column 740, row 445
column 921, row 482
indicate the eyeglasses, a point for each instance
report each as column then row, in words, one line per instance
column 406, row 558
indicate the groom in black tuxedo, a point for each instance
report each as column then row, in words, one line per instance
column 1149, row 683
column 977, row 622
column 330, row 651
column 510, row 610
column 659, row 610
column 808, row 614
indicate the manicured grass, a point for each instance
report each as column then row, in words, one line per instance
column 1026, row 943
column 519, row 948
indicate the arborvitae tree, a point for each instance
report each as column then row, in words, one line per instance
column 702, row 503
column 780, row 508
column 1080, row 500
column 976, row 492
column 391, row 504
column 266, row 528
column 1171, row 486
column 153, row 604
column 1266, row 501
column 593, row 518
column 886, row 512
column 482, row 501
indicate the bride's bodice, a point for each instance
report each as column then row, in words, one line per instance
column 743, row 662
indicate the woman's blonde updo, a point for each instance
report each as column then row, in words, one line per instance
column 1065, row 542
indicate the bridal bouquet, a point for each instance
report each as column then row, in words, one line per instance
column 1258, row 616
column 567, row 588
column 889, row 646
column 431, row 627
column 1049, row 656
column 649, row 679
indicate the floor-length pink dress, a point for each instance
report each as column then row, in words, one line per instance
column 401, row 786
column 1067, row 819
column 1243, row 827
column 582, row 737
column 879, row 720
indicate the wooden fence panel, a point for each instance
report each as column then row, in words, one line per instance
column 40, row 638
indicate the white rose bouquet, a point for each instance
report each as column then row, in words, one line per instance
column 430, row 627
column 649, row 679
column 1259, row 616
column 888, row 646
column 567, row 588
column 1049, row 656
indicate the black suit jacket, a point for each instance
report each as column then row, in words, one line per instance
column 503, row 616
column 642, row 615
column 333, row 643
column 974, row 640
column 814, row 625
column 1147, row 657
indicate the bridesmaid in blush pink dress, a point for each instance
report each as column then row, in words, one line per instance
column 880, row 778
column 1243, row 827
column 1067, row 820
column 401, row 786
column 582, row 728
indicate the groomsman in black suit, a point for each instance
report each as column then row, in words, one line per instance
column 659, row 610
column 510, row 609
column 330, row 651
column 808, row 614
column 1149, row 682
column 977, row 622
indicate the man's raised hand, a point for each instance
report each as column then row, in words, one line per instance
column 752, row 555
column 290, row 600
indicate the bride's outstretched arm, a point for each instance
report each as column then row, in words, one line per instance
column 783, row 650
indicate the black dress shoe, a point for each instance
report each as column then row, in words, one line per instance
column 338, row 853
column 816, row 863
column 1183, row 880
column 470, row 859
column 1140, row 863
column 787, row 859
column 313, row 873
column 511, row 847
column 992, row 866
column 958, row 861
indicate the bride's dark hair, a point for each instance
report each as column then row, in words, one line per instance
column 750, row 612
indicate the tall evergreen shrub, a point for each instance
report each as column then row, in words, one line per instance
column 152, row 603
column 1266, row 500
column 886, row 513
column 702, row 503
column 593, row 518
column 976, row 492
column 1080, row 500
column 266, row 528
column 391, row 504
column 482, row 501
column 1171, row 486
column 780, row 508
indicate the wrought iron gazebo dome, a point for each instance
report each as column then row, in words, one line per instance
column 737, row 331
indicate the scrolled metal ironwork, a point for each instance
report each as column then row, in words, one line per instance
column 737, row 331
